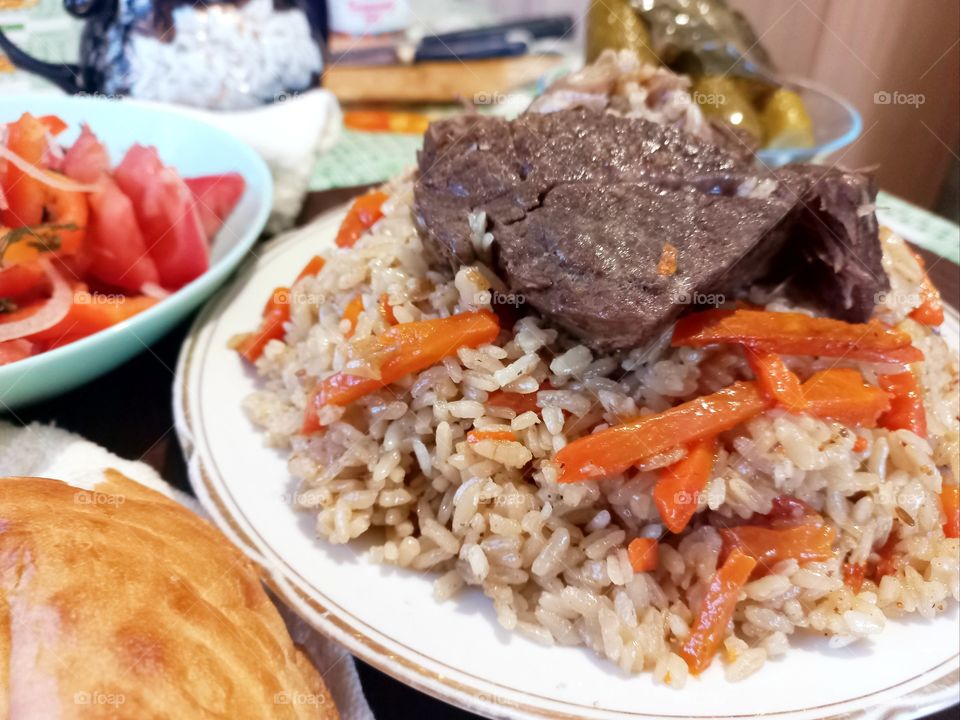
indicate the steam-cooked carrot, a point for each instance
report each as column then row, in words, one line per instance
column 313, row 266
column 841, row 394
column 475, row 436
column 275, row 313
column 518, row 402
column 791, row 333
column 404, row 349
column 644, row 554
column 613, row 450
column 906, row 404
column 860, row 444
column 776, row 379
column 889, row 560
column 678, row 488
column 950, row 500
column 362, row 215
column 804, row 543
column 930, row 310
column 351, row 312
column 713, row 616
column 853, row 575
column 386, row 311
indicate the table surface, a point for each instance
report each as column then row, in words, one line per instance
column 130, row 412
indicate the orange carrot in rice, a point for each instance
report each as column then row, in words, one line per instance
column 841, row 394
column 386, row 311
column 930, row 310
column 713, row 616
column 351, row 313
column 615, row 449
column 362, row 215
column 275, row 313
column 906, row 403
column 889, row 560
column 475, row 436
column 313, row 267
column 678, row 487
column 404, row 349
column 792, row 333
column 853, row 575
column 950, row 501
column 644, row 554
column 776, row 379
column 518, row 402
column 806, row 542
column 860, row 444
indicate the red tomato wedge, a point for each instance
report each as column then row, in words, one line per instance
column 87, row 159
column 166, row 214
column 215, row 197
column 24, row 280
column 13, row 350
column 91, row 313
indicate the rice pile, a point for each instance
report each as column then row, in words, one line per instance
column 552, row 558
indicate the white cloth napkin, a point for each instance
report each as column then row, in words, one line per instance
column 46, row 451
column 289, row 135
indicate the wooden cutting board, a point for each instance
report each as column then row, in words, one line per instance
column 478, row 81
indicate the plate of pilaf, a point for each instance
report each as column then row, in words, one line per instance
column 589, row 416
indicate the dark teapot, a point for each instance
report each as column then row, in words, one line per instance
column 222, row 54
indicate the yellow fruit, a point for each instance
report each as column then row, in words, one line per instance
column 786, row 123
column 720, row 97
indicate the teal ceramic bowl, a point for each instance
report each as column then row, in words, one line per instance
column 193, row 147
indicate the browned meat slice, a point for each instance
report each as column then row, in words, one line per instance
column 581, row 205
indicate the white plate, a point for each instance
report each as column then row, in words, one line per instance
column 456, row 651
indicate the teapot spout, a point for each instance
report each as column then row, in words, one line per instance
column 65, row 76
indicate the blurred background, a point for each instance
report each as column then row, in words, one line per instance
column 894, row 61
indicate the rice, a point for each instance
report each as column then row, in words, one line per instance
column 552, row 558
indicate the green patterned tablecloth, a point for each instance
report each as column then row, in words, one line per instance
column 361, row 158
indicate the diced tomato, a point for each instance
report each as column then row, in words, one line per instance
column 87, row 159
column 216, row 196
column 166, row 214
column 117, row 249
column 362, row 215
column 24, row 280
column 91, row 313
column 24, row 194
column 275, row 313
column 644, row 554
column 906, row 404
column 13, row 350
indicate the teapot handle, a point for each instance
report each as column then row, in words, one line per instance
column 65, row 76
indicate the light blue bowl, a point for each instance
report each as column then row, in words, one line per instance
column 193, row 147
column 836, row 124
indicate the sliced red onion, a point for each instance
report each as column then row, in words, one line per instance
column 154, row 291
column 55, row 181
column 53, row 311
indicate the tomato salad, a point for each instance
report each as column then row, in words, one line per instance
column 85, row 244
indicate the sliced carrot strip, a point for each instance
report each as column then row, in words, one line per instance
column 776, row 379
column 313, row 267
column 950, row 500
column 615, row 449
column 854, row 575
column 906, row 404
column 475, row 436
column 407, row 348
column 644, row 554
column 351, row 312
column 362, row 215
column 930, row 310
column 795, row 334
column 889, row 559
column 841, row 394
column 712, row 618
column 804, row 543
column 518, row 402
column 275, row 313
column 678, row 488
column 386, row 312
